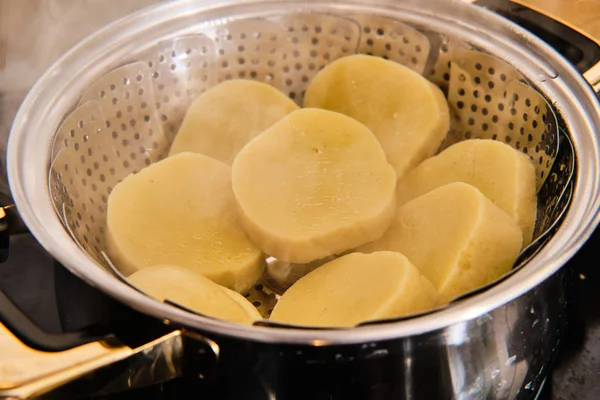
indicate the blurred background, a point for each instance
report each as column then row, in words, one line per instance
column 33, row 34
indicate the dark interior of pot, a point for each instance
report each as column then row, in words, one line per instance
column 128, row 118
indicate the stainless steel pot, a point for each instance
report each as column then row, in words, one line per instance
column 494, row 344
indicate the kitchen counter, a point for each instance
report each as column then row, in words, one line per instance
column 55, row 25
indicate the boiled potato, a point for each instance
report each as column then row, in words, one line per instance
column 194, row 291
column 223, row 119
column 356, row 288
column 407, row 113
column 314, row 184
column 243, row 302
column 505, row 175
column 181, row 211
column 458, row 238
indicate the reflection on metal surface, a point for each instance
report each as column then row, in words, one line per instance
column 582, row 16
column 592, row 75
column 100, row 368
column 24, row 372
column 501, row 355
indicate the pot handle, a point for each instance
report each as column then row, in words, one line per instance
column 581, row 16
column 79, row 365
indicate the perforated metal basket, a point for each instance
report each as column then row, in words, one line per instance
column 128, row 117
column 114, row 103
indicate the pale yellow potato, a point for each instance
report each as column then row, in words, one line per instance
column 356, row 288
column 458, row 238
column 181, row 211
column 504, row 175
column 226, row 117
column 243, row 302
column 314, row 184
column 407, row 113
column 194, row 291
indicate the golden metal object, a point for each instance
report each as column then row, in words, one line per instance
column 26, row 373
column 582, row 16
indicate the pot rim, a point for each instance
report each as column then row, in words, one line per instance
column 38, row 117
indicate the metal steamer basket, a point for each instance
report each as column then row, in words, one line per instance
column 113, row 104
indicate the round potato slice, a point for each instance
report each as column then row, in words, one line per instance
column 407, row 113
column 223, row 119
column 356, row 288
column 193, row 291
column 458, row 238
column 504, row 175
column 244, row 303
column 181, row 211
column 314, row 184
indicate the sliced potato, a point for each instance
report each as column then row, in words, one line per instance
column 504, row 175
column 407, row 113
column 194, row 291
column 314, row 184
column 223, row 119
column 356, row 288
column 181, row 211
column 243, row 302
column 458, row 238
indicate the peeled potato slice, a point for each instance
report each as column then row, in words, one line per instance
column 407, row 113
column 314, row 184
column 193, row 291
column 223, row 119
column 356, row 288
column 243, row 302
column 181, row 211
column 458, row 238
column 504, row 175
